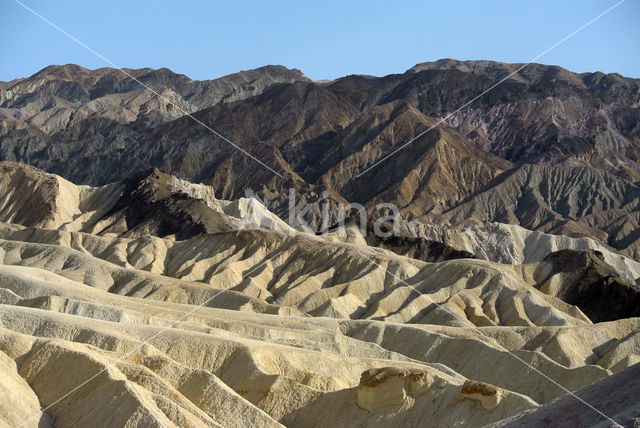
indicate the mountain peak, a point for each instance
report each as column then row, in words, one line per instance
column 462, row 65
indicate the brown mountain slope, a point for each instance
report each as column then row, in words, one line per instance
column 429, row 174
column 544, row 114
column 571, row 201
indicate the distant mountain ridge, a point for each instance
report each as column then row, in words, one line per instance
column 59, row 97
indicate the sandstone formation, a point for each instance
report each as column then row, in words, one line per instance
column 488, row 395
column 266, row 326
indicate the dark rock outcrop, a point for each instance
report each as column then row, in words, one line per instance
column 150, row 206
column 615, row 396
column 415, row 247
column 591, row 284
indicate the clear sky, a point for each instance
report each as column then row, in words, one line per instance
column 325, row 39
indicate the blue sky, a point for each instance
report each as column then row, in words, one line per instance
column 328, row 39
